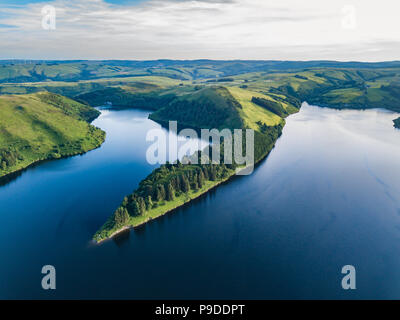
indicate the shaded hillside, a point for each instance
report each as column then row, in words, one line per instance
column 210, row 107
column 120, row 98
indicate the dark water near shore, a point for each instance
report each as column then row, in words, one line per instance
column 327, row 196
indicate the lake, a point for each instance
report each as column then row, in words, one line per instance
column 327, row 196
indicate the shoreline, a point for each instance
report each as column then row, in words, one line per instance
column 108, row 230
column 16, row 173
column 132, row 226
column 35, row 163
column 197, row 195
column 8, row 177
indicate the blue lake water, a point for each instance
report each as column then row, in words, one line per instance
column 327, row 196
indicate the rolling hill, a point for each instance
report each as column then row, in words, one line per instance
column 44, row 126
column 18, row 71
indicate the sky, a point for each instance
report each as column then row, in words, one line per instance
column 344, row 30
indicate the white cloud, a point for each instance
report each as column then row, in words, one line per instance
column 184, row 29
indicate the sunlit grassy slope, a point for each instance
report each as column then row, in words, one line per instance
column 43, row 126
column 252, row 113
column 71, row 89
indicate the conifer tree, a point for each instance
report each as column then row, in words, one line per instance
column 200, row 179
column 121, row 216
column 212, row 173
column 205, row 172
column 160, row 193
column 149, row 203
column 148, row 190
column 177, row 183
column 185, row 185
column 195, row 182
column 141, row 204
column 133, row 208
column 170, row 193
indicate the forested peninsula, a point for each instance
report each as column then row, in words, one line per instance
column 173, row 185
column 248, row 101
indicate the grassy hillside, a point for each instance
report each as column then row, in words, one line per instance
column 120, row 97
column 79, row 87
column 338, row 88
column 43, row 126
column 339, row 85
column 253, row 114
column 209, row 107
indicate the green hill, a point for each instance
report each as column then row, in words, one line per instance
column 123, row 98
column 210, row 107
column 44, row 126
column 337, row 88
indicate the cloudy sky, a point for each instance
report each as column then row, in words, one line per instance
column 363, row 30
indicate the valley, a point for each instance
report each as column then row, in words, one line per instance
column 196, row 94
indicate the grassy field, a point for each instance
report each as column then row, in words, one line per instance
column 252, row 113
column 43, row 126
column 72, row 89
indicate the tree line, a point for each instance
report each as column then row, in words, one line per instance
column 165, row 184
column 273, row 106
column 8, row 158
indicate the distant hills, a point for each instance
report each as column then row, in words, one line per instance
column 16, row 71
column 51, row 101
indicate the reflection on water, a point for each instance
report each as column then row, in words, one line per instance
column 122, row 238
column 327, row 196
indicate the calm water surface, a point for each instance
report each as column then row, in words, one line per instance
column 327, row 196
